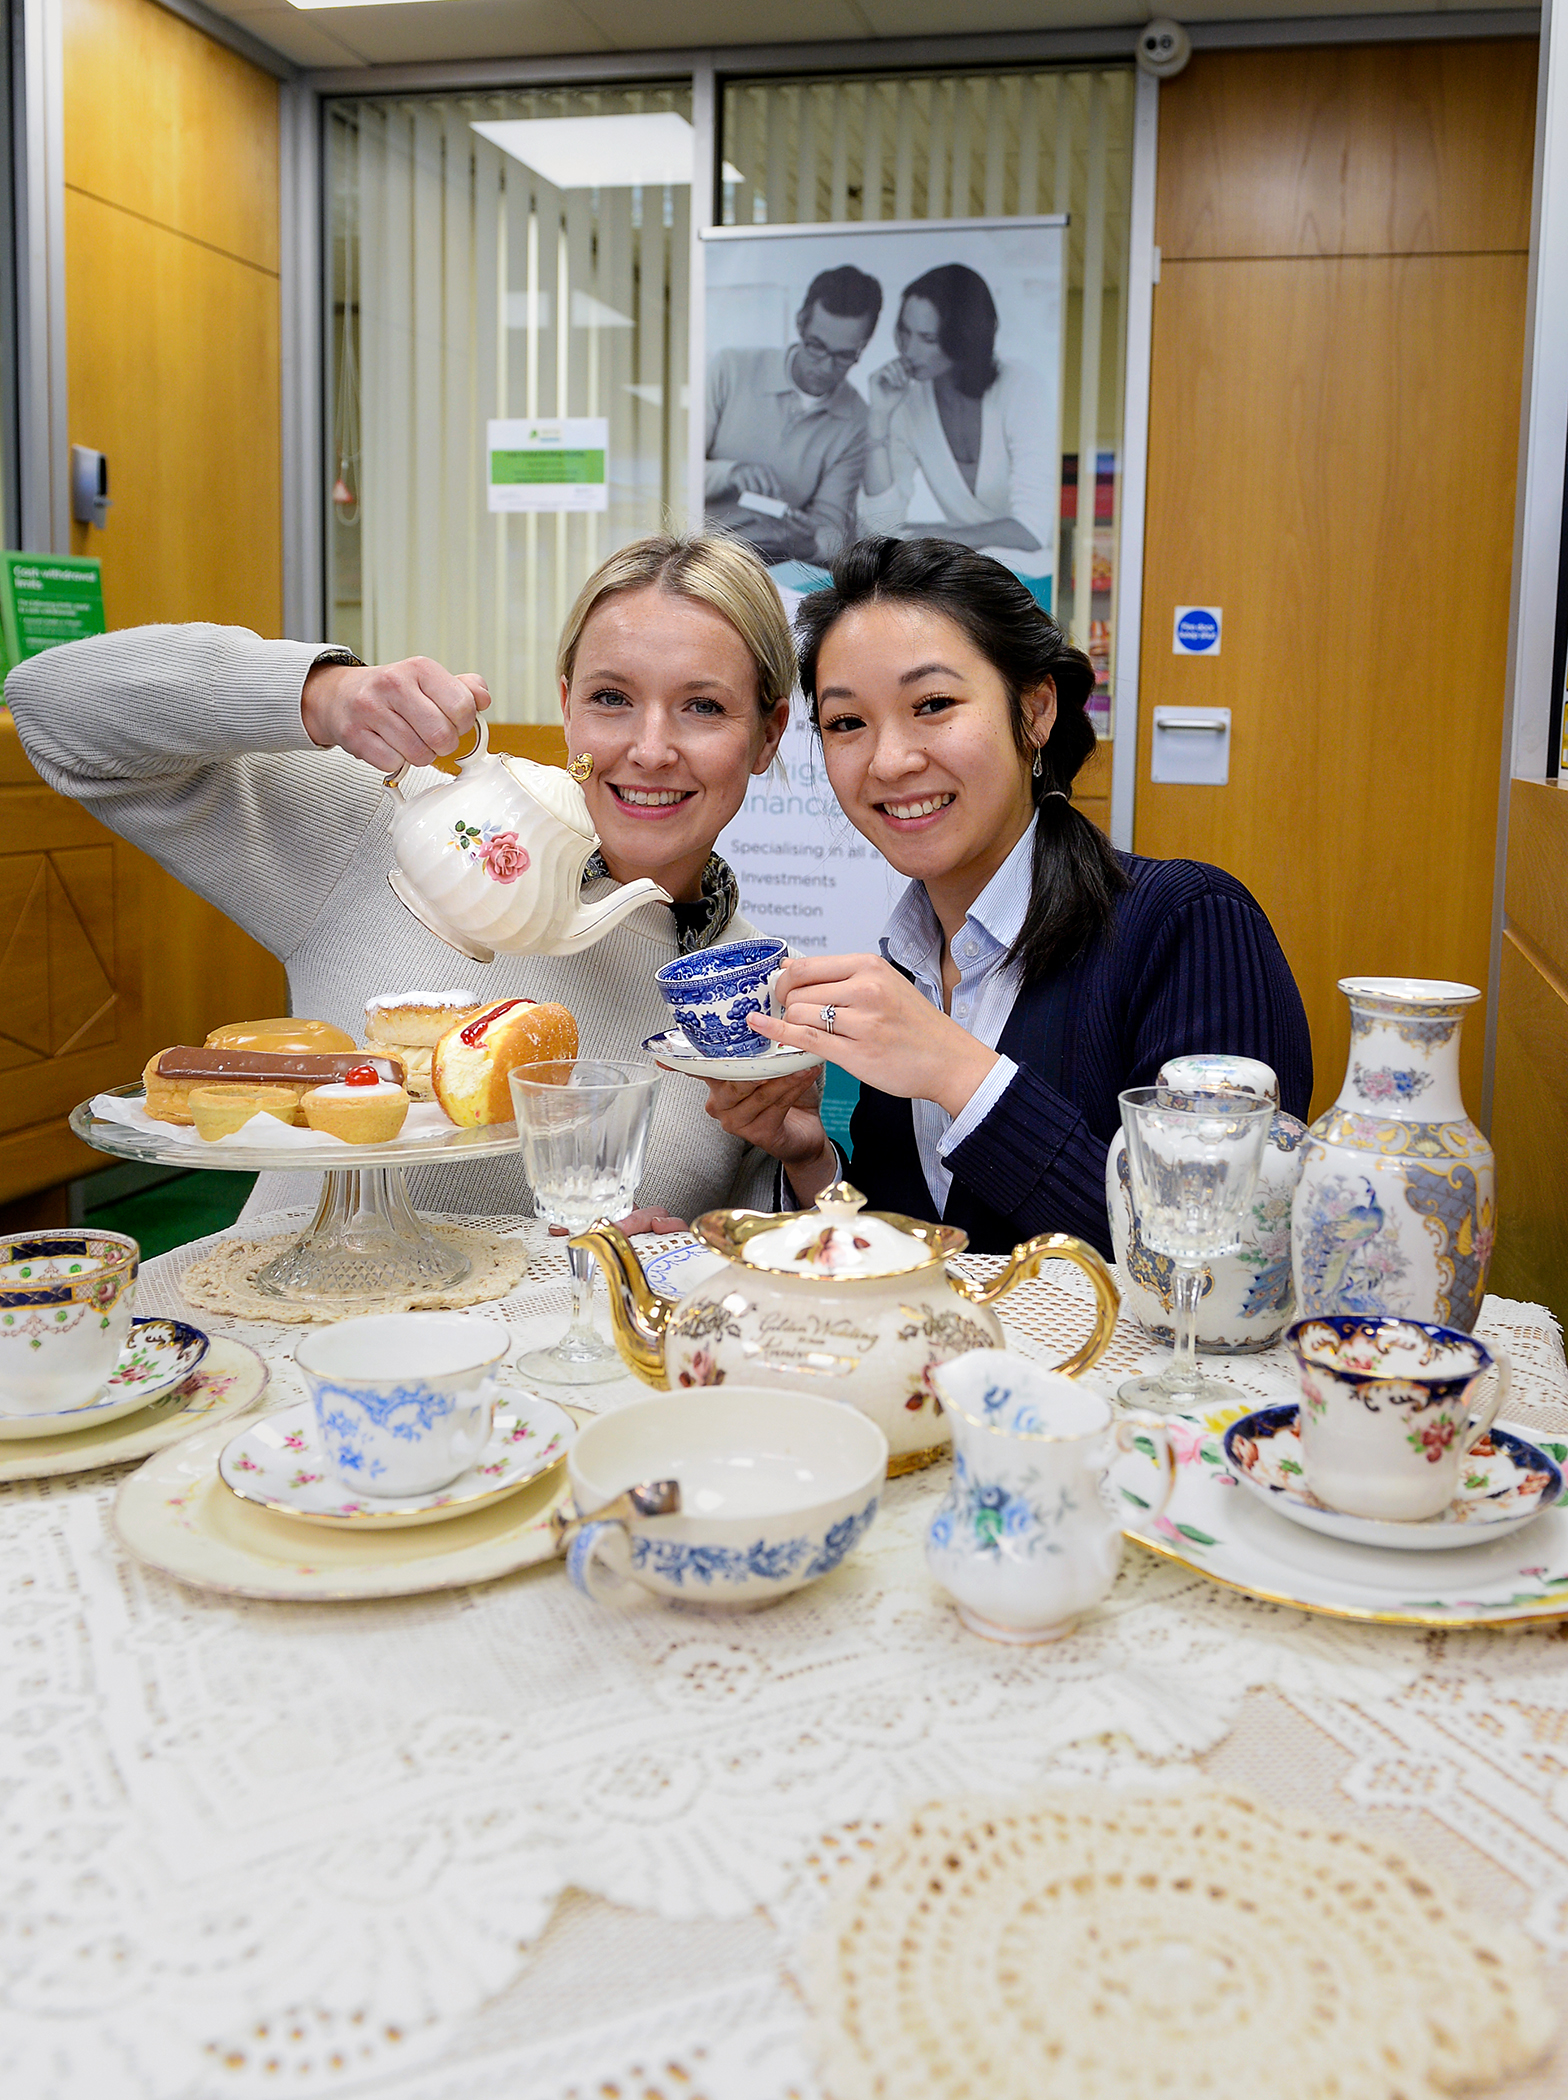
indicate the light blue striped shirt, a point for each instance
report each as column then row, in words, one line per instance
column 983, row 997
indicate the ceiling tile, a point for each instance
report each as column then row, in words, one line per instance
column 298, row 35
column 653, row 25
column 457, row 29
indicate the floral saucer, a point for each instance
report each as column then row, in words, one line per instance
column 673, row 1050
column 277, row 1463
column 1503, row 1483
column 158, row 1356
column 1219, row 1530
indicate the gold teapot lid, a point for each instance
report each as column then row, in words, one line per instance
column 838, row 1239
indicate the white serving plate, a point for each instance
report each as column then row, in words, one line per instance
column 674, row 1052
column 230, row 1378
column 1213, row 1526
column 1503, row 1485
column 277, row 1463
column 158, row 1356
column 176, row 1515
column 125, row 1128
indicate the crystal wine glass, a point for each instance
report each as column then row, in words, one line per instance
column 582, row 1124
column 1193, row 1162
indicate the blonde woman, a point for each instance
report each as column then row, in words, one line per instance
column 252, row 771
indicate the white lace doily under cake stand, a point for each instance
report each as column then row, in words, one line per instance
column 224, row 1280
column 1098, row 1943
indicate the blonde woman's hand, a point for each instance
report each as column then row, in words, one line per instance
column 885, row 1031
column 779, row 1116
column 391, row 715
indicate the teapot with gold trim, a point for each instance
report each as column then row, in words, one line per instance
column 492, row 862
column 847, row 1303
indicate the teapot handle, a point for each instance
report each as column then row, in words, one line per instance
column 393, row 782
column 1028, row 1260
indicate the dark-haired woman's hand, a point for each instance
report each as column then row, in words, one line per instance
column 884, row 1031
column 885, row 388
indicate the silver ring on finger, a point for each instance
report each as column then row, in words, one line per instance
column 829, row 1016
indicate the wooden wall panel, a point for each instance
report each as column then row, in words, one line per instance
column 174, row 374
column 1342, row 508
column 1536, row 895
column 183, row 132
column 1365, row 149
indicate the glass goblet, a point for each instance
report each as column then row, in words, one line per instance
column 1193, row 1162
column 582, row 1125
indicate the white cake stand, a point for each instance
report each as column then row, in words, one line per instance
column 366, row 1239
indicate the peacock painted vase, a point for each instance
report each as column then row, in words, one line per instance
column 1246, row 1301
column 1395, row 1211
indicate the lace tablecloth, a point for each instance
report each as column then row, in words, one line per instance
column 507, row 1842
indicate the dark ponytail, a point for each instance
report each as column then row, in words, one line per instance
column 1076, row 877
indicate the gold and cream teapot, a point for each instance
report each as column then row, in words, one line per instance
column 492, row 862
column 850, row 1304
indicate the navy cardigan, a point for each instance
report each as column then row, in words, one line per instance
column 1189, row 964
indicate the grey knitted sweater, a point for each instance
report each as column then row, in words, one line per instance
column 188, row 742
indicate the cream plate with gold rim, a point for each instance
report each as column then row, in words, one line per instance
column 277, row 1463
column 1213, row 1525
column 230, row 1378
column 176, row 1515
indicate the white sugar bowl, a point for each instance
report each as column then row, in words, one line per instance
column 1247, row 1300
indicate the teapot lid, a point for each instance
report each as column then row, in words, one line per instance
column 1213, row 1072
column 838, row 1237
column 554, row 789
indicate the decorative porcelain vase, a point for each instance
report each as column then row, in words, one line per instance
column 1247, row 1301
column 846, row 1303
column 492, row 862
column 1026, row 1540
column 1395, row 1211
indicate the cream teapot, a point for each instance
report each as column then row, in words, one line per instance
column 492, row 862
column 850, row 1304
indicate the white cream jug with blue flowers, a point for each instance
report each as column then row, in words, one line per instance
column 1028, row 1536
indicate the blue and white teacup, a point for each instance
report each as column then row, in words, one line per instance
column 66, row 1295
column 403, row 1401
column 713, row 994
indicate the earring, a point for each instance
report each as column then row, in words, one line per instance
column 1039, row 762
column 581, row 766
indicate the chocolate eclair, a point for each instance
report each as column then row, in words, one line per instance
column 170, row 1074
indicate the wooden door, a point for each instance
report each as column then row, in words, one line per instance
column 1338, row 339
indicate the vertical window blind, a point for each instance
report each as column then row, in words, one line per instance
column 467, row 286
column 978, row 145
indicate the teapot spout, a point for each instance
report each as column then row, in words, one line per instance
column 638, row 1314
column 591, row 922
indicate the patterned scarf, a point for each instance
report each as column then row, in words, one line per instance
column 700, row 921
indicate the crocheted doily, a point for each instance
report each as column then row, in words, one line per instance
column 1190, row 1942
column 224, row 1280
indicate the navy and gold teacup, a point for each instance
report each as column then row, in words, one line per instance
column 65, row 1312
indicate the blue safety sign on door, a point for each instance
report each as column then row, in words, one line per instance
column 1197, row 631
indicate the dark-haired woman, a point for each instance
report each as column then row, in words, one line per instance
column 975, row 428
column 1030, row 972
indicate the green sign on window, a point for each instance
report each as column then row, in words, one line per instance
column 507, row 469
column 46, row 599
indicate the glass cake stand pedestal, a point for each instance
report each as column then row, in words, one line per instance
column 366, row 1239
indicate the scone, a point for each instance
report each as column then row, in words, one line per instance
column 411, row 1024
column 361, row 1108
column 283, row 1033
column 471, row 1063
column 216, row 1110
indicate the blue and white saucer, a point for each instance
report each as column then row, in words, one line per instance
column 157, row 1358
column 277, row 1463
column 1504, row 1483
column 672, row 1049
column 679, row 1269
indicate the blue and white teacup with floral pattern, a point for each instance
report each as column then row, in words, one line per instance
column 713, row 993
column 1027, row 1538
column 403, row 1401
column 776, row 1489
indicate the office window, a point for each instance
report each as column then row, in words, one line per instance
column 499, row 255
column 978, row 145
